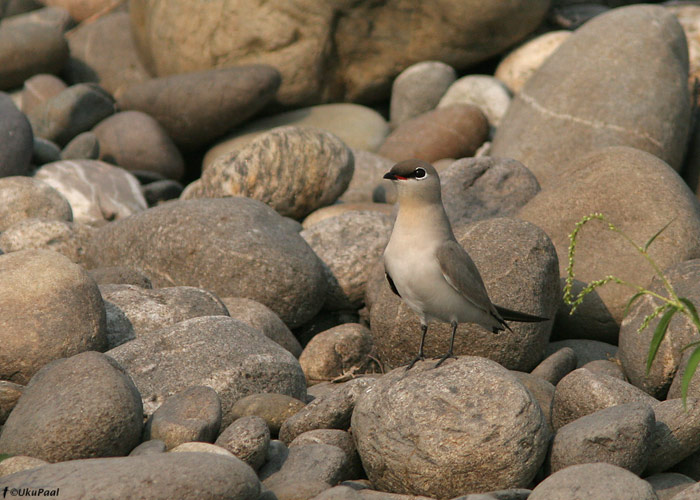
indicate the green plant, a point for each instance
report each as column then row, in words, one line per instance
column 4, row 456
column 670, row 304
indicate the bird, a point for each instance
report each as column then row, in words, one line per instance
column 426, row 266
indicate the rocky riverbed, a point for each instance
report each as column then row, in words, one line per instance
column 192, row 219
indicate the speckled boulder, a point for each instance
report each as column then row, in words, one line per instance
column 466, row 426
column 208, row 244
column 295, row 170
column 67, row 238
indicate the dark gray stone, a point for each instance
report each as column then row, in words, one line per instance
column 213, row 101
column 586, row 350
column 676, row 435
column 248, row 438
column 418, row 89
column 17, row 139
column 209, row 243
column 332, row 411
column 213, row 350
column 556, row 366
column 77, row 109
column 587, row 481
column 205, row 476
column 582, row 392
column 310, row 463
column 133, row 311
column 191, row 415
column 618, row 435
column 85, row 406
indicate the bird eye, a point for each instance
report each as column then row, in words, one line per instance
column 419, row 173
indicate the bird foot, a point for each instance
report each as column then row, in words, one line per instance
column 420, row 357
column 445, row 357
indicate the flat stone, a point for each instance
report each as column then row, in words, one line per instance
column 57, row 312
column 487, row 93
column 133, row 311
column 221, row 352
column 191, row 415
column 669, row 484
column 84, row 406
column 586, row 350
column 83, row 146
column 150, row 447
column 120, row 275
column 137, row 142
column 310, row 462
column 571, row 106
column 214, row 101
column 205, row 476
column 454, row 131
column 200, row 447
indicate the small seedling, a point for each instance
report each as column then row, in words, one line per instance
column 671, row 304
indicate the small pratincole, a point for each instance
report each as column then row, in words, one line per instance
column 428, row 268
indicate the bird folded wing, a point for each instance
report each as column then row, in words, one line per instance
column 462, row 274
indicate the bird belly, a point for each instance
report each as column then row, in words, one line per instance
column 423, row 287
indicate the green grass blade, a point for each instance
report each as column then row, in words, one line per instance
column 690, row 346
column 689, row 372
column 691, row 308
column 631, row 301
column 659, row 335
column 651, row 240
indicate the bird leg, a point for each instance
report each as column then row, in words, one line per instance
column 421, row 356
column 452, row 343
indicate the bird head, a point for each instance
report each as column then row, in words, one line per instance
column 415, row 180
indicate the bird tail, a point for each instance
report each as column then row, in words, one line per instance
column 510, row 315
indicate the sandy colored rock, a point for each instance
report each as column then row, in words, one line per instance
column 25, row 197
column 57, row 312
